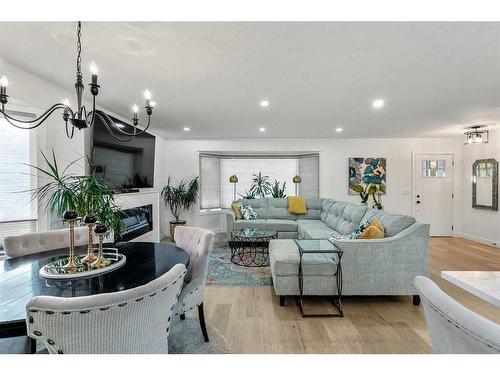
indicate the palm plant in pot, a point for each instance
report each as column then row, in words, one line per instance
column 180, row 198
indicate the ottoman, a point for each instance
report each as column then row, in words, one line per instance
column 318, row 271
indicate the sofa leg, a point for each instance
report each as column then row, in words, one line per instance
column 201, row 316
column 416, row 300
column 282, row 300
column 183, row 316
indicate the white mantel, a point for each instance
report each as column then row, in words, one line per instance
column 142, row 198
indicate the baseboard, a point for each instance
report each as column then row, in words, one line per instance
column 482, row 240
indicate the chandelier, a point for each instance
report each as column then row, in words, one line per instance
column 79, row 118
column 476, row 134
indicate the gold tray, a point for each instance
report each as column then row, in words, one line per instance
column 57, row 269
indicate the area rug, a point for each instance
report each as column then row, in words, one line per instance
column 222, row 272
column 186, row 337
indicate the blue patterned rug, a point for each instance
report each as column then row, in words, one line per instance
column 221, row 272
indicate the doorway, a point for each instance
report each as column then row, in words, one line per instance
column 433, row 192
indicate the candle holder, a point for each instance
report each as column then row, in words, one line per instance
column 101, row 231
column 90, row 221
column 71, row 217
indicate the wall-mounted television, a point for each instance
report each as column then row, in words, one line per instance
column 123, row 166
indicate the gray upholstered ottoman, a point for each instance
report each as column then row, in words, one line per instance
column 318, row 271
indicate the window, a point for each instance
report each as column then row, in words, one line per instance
column 433, row 168
column 215, row 170
column 16, row 147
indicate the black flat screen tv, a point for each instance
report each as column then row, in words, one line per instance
column 123, row 166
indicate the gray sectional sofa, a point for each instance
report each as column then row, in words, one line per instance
column 384, row 266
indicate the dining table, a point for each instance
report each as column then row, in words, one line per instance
column 20, row 279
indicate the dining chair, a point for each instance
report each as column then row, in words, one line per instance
column 454, row 329
column 198, row 243
column 31, row 243
column 134, row 321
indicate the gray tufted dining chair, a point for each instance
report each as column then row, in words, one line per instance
column 198, row 243
column 135, row 321
column 454, row 329
column 31, row 243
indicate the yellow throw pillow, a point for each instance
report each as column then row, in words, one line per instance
column 236, row 209
column 297, row 205
column 373, row 231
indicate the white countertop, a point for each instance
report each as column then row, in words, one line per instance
column 483, row 284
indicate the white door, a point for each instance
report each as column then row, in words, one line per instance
column 433, row 192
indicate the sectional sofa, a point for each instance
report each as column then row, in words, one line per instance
column 384, row 266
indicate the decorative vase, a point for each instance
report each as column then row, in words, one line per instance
column 173, row 224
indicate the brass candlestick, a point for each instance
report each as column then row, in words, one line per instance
column 90, row 221
column 71, row 217
column 101, row 231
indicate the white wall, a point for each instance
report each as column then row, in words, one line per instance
column 180, row 160
column 477, row 224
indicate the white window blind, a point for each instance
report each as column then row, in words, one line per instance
column 15, row 153
column 215, row 170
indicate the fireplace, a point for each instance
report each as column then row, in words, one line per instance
column 136, row 222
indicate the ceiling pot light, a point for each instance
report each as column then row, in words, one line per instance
column 186, row 129
column 338, row 130
column 264, row 103
column 476, row 135
column 262, row 130
column 378, row 103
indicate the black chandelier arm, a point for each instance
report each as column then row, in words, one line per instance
column 101, row 114
column 67, row 132
column 38, row 121
column 110, row 130
column 92, row 113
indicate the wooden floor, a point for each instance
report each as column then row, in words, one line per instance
column 253, row 322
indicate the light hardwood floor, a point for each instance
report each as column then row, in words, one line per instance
column 253, row 322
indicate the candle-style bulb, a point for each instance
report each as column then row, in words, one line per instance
column 135, row 108
column 93, row 68
column 4, row 82
column 152, row 103
column 147, row 95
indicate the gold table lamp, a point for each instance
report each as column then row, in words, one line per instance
column 297, row 180
column 234, row 180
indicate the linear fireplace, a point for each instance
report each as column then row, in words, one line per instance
column 136, row 222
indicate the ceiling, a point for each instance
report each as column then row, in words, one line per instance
column 435, row 78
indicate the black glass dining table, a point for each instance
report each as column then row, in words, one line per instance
column 20, row 279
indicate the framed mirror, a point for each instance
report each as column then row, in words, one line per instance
column 485, row 184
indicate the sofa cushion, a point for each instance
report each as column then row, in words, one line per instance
column 284, row 260
column 313, row 208
column 318, row 233
column 345, row 217
column 248, row 212
column 259, row 205
column 303, row 225
column 282, row 225
column 325, row 208
column 393, row 224
column 252, row 224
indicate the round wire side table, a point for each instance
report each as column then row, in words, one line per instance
column 250, row 247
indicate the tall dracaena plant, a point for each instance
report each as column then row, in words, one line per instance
column 260, row 185
column 83, row 193
column 181, row 197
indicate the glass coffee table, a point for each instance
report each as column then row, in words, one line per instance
column 250, row 247
column 321, row 247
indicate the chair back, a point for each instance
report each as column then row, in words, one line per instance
column 454, row 329
column 128, row 322
column 31, row 243
column 198, row 243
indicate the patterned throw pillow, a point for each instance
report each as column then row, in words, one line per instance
column 248, row 213
column 353, row 236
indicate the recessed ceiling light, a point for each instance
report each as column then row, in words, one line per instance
column 338, row 130
column 378, row 103
column 186, row 129
column 262, row 130
column 264, row 103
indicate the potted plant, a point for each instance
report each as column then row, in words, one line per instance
column 260, row 185
column 180, row 198
column 277, row 191
column 83, row 194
